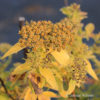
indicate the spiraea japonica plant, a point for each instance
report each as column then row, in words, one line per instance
column 58, row 61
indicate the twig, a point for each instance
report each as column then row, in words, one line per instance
column 21, row 23
column 6, row 91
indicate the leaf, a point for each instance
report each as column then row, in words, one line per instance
column 5, row 64
column 89, row 28
column 48, row 75
column 90, row 70
column 22, row 68
column 61, row 87
column 71, row 88
column 4, row 75
column 4, row 47
column 14, row 49
column 57, row 74
column 61, row 57
column 43, row 97
column 49, row 94
column 4, row 97
column 73, row 12
column 29, row 95
column 66, row 11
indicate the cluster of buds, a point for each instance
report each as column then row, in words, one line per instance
column 45, row 34
column 79, row 71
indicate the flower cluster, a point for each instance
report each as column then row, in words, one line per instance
column 56, row 59
column 78, row 70
column 45, row 34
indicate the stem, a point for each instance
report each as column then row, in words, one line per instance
column 6, row 91
column 21, row 23
column 74, row 98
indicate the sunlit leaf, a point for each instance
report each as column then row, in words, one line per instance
column 49, row 94
column 61, row 90
column 71, row 88
column 22, row 68
column 14, row 49
column 30, row 95
column 61, row 57
column 57, row 74
column 73, row 12
column 89, row 28
column 4, row 97
column 43, row 97
column 90, row 70
column 49, row 76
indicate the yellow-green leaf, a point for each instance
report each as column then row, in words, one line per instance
column 89, row 28
column 14, row 49
column 43, row 97
column 90, row 70
column 4, row 97
column 30, row 95
column 60, row 88
column 71, row 88
column 61, row 57
column 49, row 94
column 22, row 68
column 57, row 74
column 49, row 76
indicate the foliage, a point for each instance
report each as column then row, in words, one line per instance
column 57, row 58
